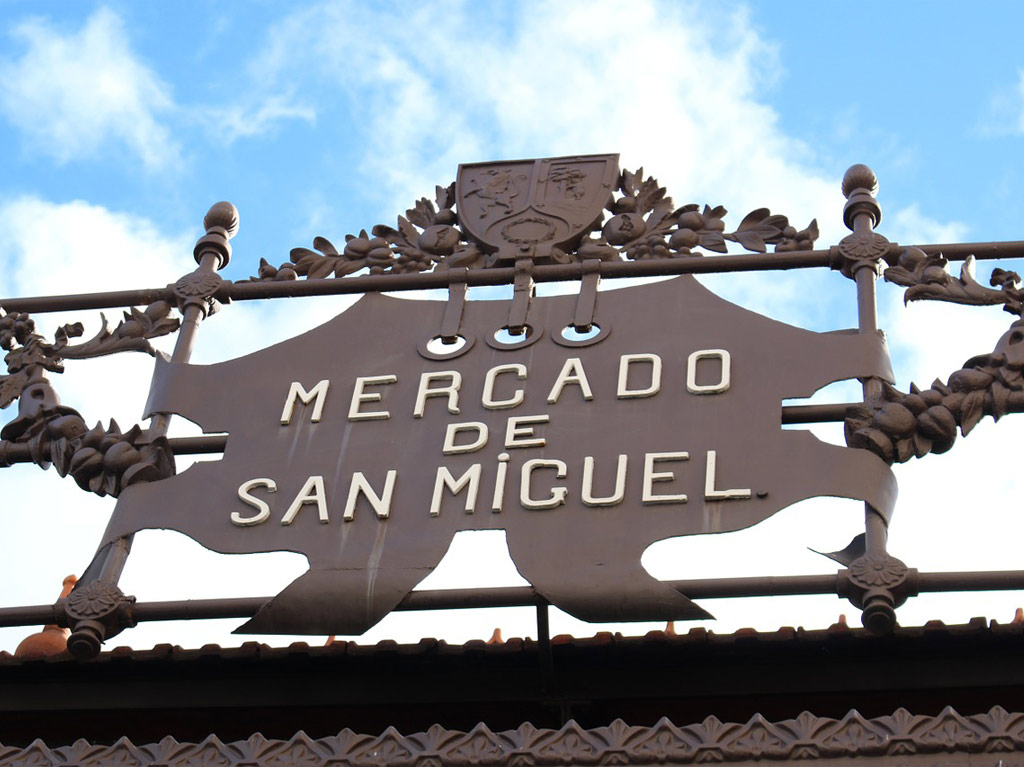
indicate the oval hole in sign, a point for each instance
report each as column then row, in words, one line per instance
column 504, row 339
column 436, row 349
column 570, row 336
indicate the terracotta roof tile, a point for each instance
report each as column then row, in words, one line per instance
column 694, row 638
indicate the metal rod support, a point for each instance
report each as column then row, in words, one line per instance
column 247, row 291
column 14, row 452
column 526, row 596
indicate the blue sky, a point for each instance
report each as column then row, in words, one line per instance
column 120, row 123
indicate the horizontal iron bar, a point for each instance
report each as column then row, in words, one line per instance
column 526, row 596
column 791, row 414
column 13, row 452
column 982, row 251
column 816, row 413
column 106, row 300
column 198, row 445
column 658, row 267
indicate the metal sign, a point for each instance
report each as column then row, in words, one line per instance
column 587, row 426
column 350, row 447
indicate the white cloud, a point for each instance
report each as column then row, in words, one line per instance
column 666, row 87
column 909, row 225
column 1006, row 110
column 238, row 121
column 1020, row 102
column 84, row 94
column 75, row 94
column 53, row 248
column 50, row 246
column 674, row 90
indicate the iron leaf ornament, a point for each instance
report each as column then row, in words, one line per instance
column 521, row 213
column 638, row 222
column 907, row 425
column 902, row 425
column 101, row 460
column 927, row 277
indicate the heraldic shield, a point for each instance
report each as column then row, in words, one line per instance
column 357, row 447
column 526, row 209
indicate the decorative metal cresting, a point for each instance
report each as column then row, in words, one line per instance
column 575, row 447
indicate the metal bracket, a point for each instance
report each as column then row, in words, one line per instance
column 524, row 288
column 586, row 303
column 451, row 324
column 878, row 584
column 96, row 611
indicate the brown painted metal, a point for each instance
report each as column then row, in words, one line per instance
column 12, row 452
column 528, row 222
column 861, row 253
column 526, row 596
column 949, row 738
column 97, row 608
column 528, row 208
column 249, row 291
column 355, row 579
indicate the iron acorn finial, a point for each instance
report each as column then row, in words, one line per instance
column 859, row 187
column 221, row 223
column 859, row 176
column 223, row 215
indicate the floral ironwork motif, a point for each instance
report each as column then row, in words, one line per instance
column 642, row 224
column 104, row 461
column 94, row 600
column 807, row 737
column 871, row 571
column 860, row 250
column 927, row 277
column 28, row 353
column 905, row 425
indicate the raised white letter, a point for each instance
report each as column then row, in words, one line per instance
column 450, row 448
column 558, row 494
column 381, row 504
column 514, row 434
column 518, row 395
column 691, row 371
column 445, row 479
column 264, row 508
column 360, row 395
column 651, row 476
column 588, row 483
column 499, row 483
column 572, row 373
column 311, row 492
column 710, row 494
column 451, row 391
column 296, row 391
column 624, row 392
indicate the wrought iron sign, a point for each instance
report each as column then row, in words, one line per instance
column 609, row 419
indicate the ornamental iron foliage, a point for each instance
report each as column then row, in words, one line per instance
column 807, row 737
column 643, row 224
column 101, row 460
column 548, row 211
column 906, row 425
column 927, row 277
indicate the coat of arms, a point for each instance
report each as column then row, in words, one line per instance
column 534, row 208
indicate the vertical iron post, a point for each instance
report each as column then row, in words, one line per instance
column 862, row 253
column 98, row 585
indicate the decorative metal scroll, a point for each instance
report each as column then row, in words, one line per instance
column 551, row 211
column 102, row 460
column 950, row 737
column 906, row 425
column 587, row 427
